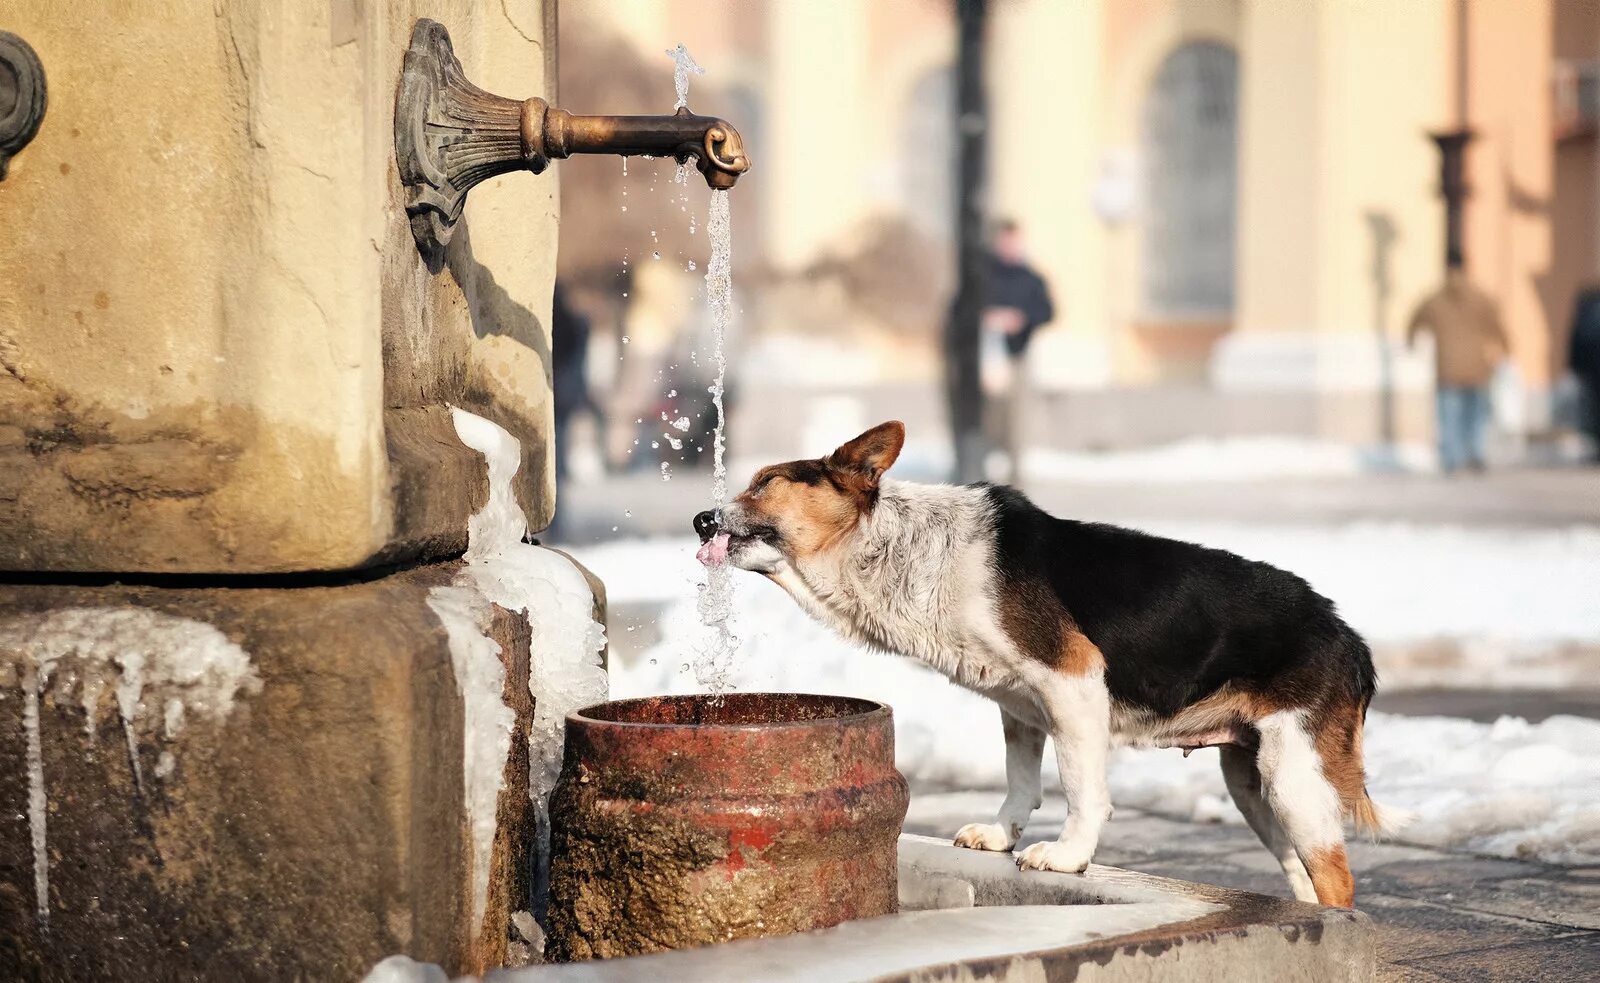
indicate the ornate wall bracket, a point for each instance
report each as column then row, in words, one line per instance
column 450, row 135
column 22, row 96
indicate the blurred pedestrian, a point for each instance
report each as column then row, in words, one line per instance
column 1469, row 345
column 569, row 386
column 1017, row 304
column 1583, row 356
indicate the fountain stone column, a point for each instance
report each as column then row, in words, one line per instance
column 259, row 718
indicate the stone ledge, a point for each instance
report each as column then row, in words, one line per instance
column 986, row 920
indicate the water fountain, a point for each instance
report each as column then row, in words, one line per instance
column 280, row 681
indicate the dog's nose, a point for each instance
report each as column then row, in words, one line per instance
column 705, row 525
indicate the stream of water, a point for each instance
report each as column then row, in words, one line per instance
column 715, row 660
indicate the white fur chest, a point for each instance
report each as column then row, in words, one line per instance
column 918, row 580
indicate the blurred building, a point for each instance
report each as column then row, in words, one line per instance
column 1235, row 201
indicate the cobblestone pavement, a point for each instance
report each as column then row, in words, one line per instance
column 1439, row 916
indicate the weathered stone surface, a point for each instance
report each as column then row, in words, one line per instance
column 219, row 348
column 313, row 828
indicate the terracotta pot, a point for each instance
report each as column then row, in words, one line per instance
column 684, row 821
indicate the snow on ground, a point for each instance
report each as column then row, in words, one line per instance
column 1510, row 788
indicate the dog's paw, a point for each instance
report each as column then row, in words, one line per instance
column 985, row 836
column 1068, row 858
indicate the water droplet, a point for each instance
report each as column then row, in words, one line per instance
column 628, row 513
column 624, row 207
column 613, row 528
column 625, row 338
column 666, row 471
column 655, row 444
column 656, row 254
column 691, row 266
column 652, row 662
column 672, row 393
column 684, row 667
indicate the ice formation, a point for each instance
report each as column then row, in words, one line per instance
column 566, row 672
column 136, row 652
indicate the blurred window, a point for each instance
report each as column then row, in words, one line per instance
column 1190, row 150
column 928, row 154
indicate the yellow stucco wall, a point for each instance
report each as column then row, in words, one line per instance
column 208, row 264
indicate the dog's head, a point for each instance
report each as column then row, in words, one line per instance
column 795, row 511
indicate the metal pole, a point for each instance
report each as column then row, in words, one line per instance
column 963, row 387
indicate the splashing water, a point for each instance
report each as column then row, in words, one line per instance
column 716, row 594
column 683, row 66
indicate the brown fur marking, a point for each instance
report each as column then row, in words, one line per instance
column 1079, row 656
column 1338, row 741
column 1031, row 617
column 1330, row 875
column 809, row 516
column 1224, row 708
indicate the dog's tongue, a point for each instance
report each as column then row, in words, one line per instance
column 714, row 551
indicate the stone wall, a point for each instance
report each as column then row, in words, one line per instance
column 219, row 349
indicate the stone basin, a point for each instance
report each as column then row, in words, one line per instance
column 684, row 821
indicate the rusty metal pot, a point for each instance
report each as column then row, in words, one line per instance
column 684, row 821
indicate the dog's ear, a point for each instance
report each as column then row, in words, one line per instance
column 873, row 452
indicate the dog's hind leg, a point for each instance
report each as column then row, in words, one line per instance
column 1024, row 789
column 1244, row 784
column 1078, row 708
column 1306, row 804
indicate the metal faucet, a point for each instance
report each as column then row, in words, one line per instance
column 449, row 135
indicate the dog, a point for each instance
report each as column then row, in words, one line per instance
column 1089, row 634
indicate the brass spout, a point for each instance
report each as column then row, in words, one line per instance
column 449, row 135
column 556, row 134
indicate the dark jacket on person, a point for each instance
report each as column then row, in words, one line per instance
column 1583, row 354
column 569, row 356
column 1017, row 285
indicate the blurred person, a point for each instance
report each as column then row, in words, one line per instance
column 1017, row 304
column 1469, row 345
column 1583, row 357
column 569, row 385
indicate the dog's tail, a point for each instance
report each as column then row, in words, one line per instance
column 1370, row 818
column 1378, row 822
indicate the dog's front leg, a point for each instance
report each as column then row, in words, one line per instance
column 1024, row 752
column 1079, row 711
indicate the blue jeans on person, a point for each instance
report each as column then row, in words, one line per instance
column 1463, row 417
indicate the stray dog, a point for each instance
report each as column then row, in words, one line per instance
column 1082, row 632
